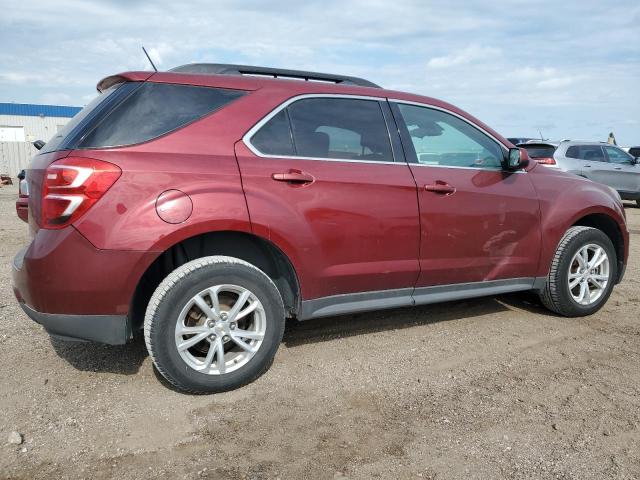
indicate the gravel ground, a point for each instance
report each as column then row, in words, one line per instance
column 485, row 388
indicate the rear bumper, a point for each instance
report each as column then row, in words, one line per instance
column 76, row 290
column 111, row 329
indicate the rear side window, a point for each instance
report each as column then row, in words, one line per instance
column 274, row 138
column 155, row 109
column 340, row 128
column 586, row 152
column 539, row 151
column 331, row 128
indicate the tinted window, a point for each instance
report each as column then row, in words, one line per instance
column 443, row 139
column 58, row 140
column 634, row 152
column 340, row 128
column 274, row 138
column 539, row 151
column 573, row 152
column 153, row 110
column 586, row 152
column 616, row 155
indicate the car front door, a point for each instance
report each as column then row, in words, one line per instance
column 594, row 163
column 478, row 222
column 323, row 182
column 624, row 175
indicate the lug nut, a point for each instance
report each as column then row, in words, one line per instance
column 212, row 337
column 225, row 338
column 210, row 323
column 232, row 326
column 223, row 316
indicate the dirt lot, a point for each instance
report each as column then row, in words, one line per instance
column 486, row 388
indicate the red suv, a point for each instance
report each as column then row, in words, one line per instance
column 207, row 204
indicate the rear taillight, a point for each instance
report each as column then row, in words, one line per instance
column 71, row 186
column 23, row 188
column 546, row 160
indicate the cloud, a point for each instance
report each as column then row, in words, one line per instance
column 487, row 58
column 472, row 53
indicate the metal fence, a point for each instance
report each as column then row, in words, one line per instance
column 14, row 156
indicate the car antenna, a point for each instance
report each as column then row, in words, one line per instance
column 539, row 131
column 149, row 58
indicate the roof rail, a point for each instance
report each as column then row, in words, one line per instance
column 230, row 69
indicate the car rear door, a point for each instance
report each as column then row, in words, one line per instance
column 478, row 222
column 624, row 175
column 323, row 182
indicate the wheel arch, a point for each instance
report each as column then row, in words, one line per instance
column 247, row 246
column 610, row 227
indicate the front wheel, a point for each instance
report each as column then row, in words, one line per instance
column 214, row 324
column 582, row 273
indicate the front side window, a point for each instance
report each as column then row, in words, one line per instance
column 327, row 128
column 616, row 155
column 442, row 139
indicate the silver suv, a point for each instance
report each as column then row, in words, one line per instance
column 596, row 161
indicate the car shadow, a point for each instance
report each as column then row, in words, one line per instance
column 95, row 357
column 330, row 328
column 127, row 359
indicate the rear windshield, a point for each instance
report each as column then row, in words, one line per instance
column 539, row 151
column 136, row 112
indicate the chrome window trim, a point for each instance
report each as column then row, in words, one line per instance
column 246, row 138
column 252, row 131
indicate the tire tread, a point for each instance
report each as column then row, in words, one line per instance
column 170, row 282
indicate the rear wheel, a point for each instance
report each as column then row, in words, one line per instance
column 582, row 273
column 214, row 324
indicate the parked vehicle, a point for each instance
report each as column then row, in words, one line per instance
column 634, row 152
column 22, row 203
column 517, row 140
column 597, row 161
column 205, row 205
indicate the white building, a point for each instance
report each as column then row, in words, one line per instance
column 23, row 123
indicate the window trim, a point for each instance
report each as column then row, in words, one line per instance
column 504, row 148
column 252, row 131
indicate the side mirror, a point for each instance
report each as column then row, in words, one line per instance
column 516, row 159
column 635, row 161
column 38, row 144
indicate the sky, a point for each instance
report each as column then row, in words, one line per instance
column 561, row 69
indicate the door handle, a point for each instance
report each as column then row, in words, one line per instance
column 617, row 168
column 440, row 187
column 587, row 165
column 293, row 176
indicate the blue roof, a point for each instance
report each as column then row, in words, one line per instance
column 31, row 110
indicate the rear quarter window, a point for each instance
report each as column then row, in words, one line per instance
column 155, row 109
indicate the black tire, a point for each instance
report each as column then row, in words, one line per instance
column 172, row 295
column 638, row 203
column 556, row 295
